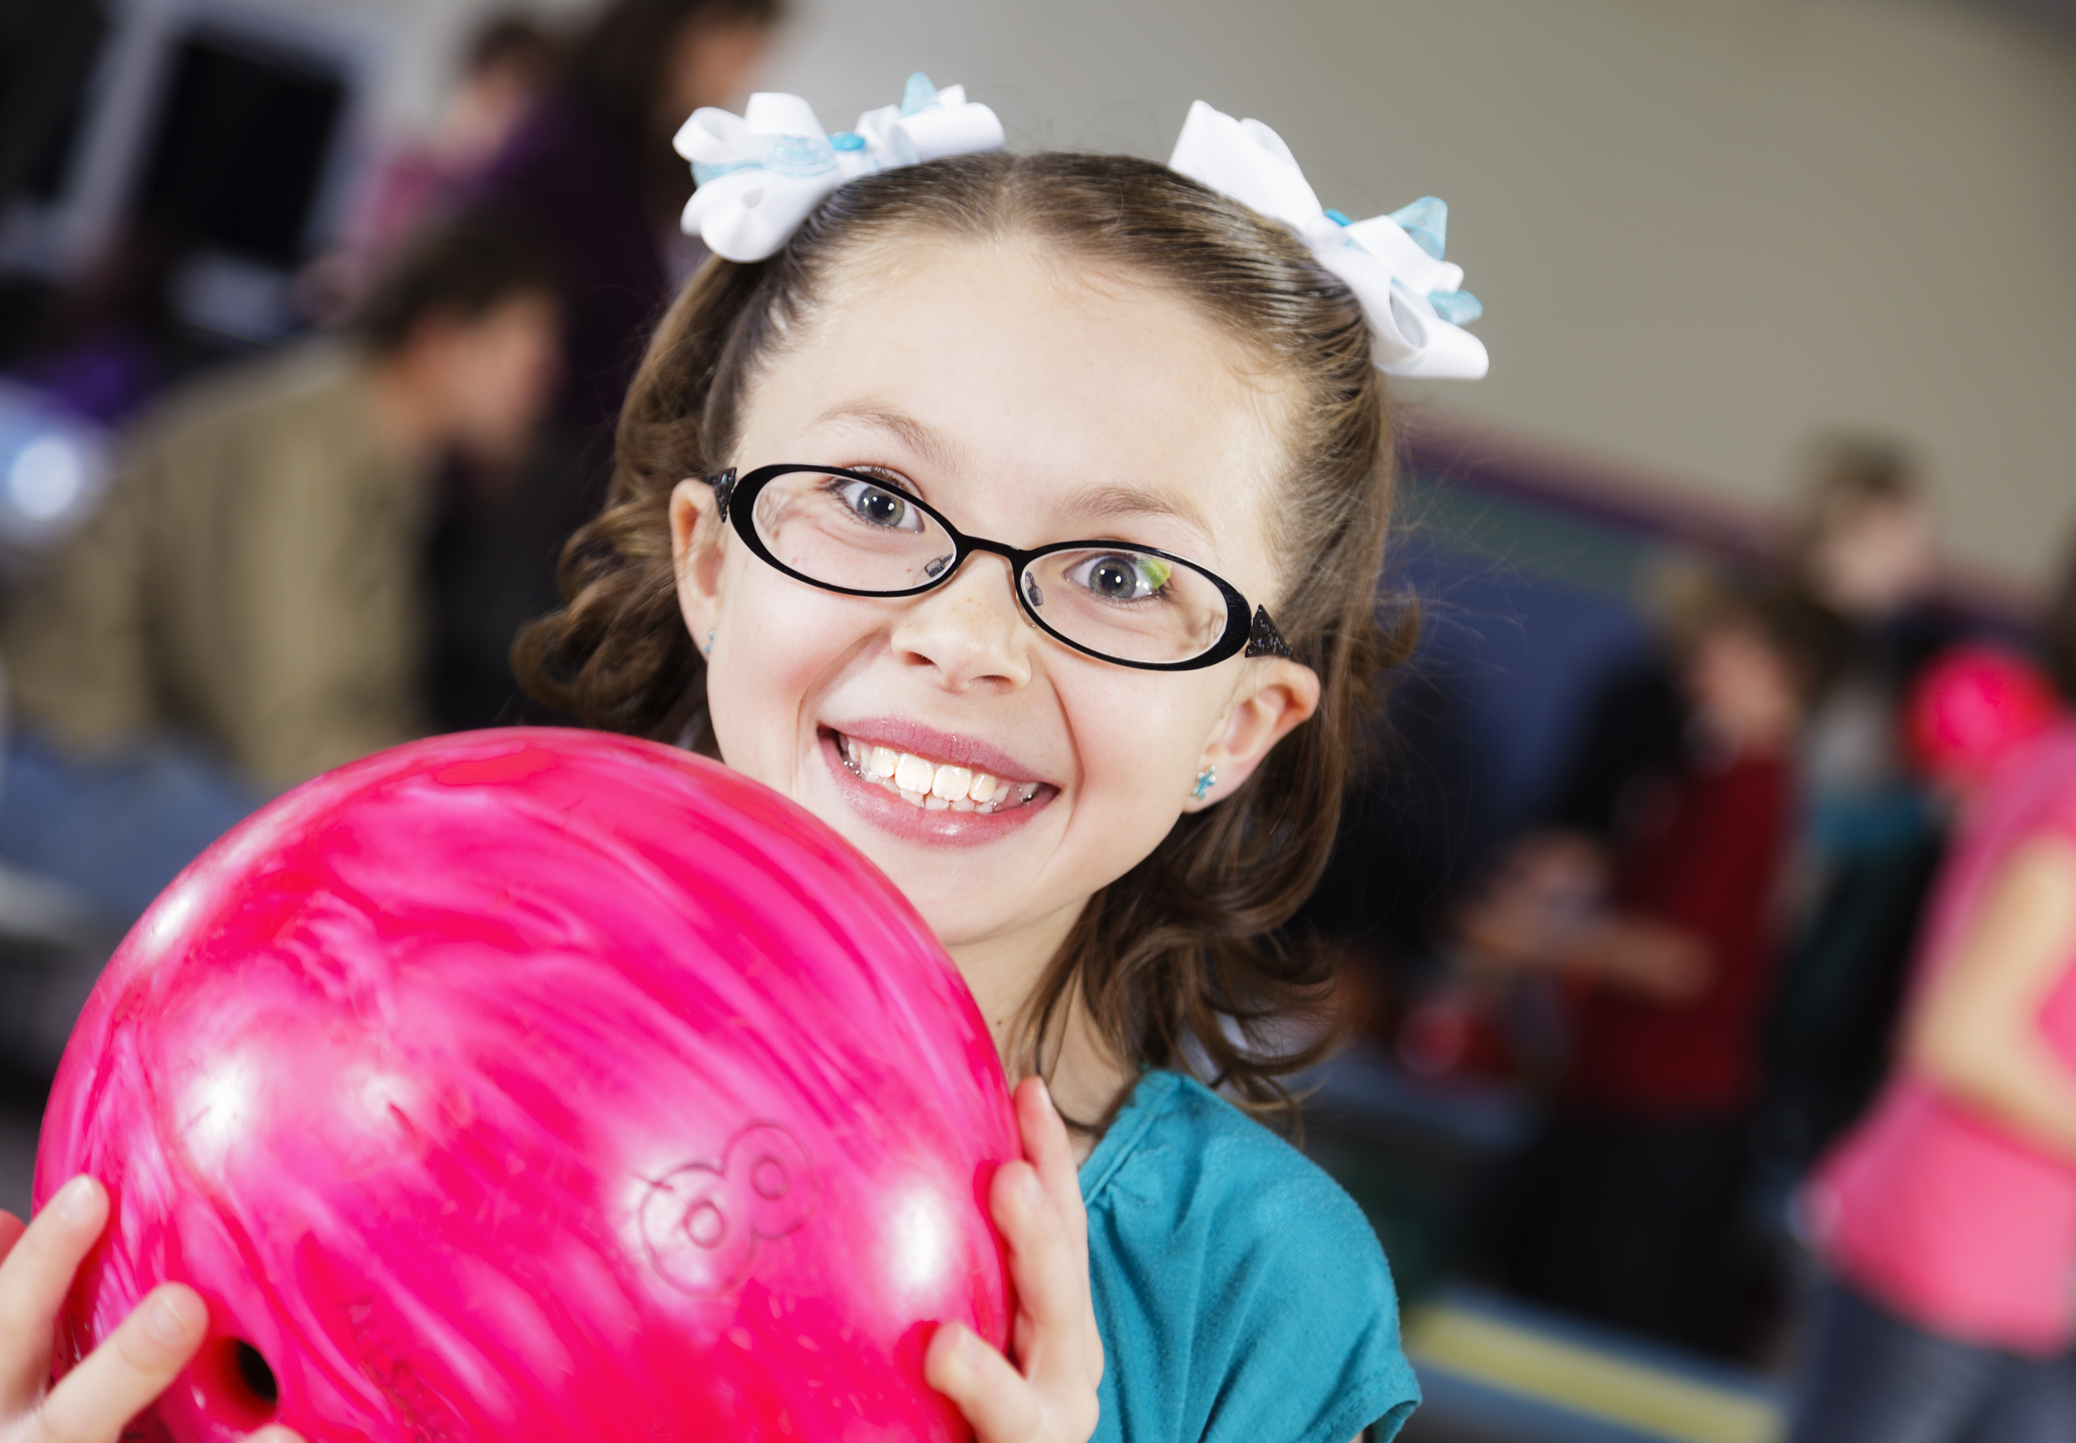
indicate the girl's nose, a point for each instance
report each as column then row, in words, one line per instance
column 969, row 629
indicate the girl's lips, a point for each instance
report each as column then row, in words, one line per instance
column 932, row 784
column 891, row 812
column 901, row 735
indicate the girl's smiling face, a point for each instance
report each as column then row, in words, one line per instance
column 1030, row 402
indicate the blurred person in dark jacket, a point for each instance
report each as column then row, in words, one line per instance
column 508, row 62
column 1630, row 1209
column 590, row 180
column 246, row 609
column 1874, row 832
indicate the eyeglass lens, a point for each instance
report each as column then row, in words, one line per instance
column 1113, row 600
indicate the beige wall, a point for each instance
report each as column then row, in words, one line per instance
column 1702, row 228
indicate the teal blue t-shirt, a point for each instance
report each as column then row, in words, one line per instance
column 1240, row 1294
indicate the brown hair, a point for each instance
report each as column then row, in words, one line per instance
column 1847, row 477
column 1176, row 962
column 460, row 269
column 1812, row 643
column 516, row 43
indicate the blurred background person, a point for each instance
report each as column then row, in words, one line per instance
column 589, row 177
column 245, row 610
column 1873, row 831
column 1947, row 1217
column 508, row 62
column 589, row 180
column 1666, row 948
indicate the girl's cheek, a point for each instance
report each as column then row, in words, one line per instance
column 1137, row 737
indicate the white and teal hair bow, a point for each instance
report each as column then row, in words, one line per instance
column 1413, row 299
column 761, row 173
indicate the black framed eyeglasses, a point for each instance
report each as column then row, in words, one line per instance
column 861, row 535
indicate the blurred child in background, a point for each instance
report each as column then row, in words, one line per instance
column 589, row 180
column 1666, row 948
column 245, row 611
column 1947, row 1217
column 1873, row 833
column 507, row 64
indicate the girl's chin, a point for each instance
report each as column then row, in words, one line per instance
column 889, row 812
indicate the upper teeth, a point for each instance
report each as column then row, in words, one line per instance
column 935, row 784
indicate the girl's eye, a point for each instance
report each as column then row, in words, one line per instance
column 878, row 507
column 1122, row 576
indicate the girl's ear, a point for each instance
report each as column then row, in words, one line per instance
column 695, row 554
column 1277, row 696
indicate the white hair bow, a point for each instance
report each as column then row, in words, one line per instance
column 761, row 173
column 1412, row 298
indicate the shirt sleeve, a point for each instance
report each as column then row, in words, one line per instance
column 1309, row 1322
column 1241, row 1295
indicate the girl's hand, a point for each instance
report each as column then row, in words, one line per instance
column 117, row 1380
column 1048, row 1395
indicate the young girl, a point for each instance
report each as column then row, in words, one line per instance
column 1020, row 516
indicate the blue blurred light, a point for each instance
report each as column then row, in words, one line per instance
column 53, row 470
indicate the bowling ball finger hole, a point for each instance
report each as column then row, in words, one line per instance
column 769, row 1178
column 236, row 1385
column 254, row 1376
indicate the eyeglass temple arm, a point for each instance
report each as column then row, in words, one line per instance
column 724, row 487
column 1264, row 639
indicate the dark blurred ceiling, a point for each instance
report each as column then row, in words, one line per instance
column 2058, row 13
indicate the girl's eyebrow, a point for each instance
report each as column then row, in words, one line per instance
column 1105, row 503
column 1100, row 503
column 917, row 437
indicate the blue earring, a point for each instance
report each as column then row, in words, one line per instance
column 1206, row 780
column 709, row 641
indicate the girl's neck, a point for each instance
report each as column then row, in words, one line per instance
column 1087, row 1082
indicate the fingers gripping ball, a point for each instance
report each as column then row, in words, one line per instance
column 539, row 1085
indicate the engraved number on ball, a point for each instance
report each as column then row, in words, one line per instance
column 702, row 1224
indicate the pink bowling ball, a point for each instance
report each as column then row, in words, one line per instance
column 539, row 1085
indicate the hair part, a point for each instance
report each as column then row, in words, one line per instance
column 1176, row 962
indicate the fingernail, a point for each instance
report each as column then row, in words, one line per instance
column 173, row 1317
column 1045, row 1095
column 1029, row 1193
column 76, row 1200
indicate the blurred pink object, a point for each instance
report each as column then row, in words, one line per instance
column 1973, row 707
column 1953, row 1222
column 533, row 1085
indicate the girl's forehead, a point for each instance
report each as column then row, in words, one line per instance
column 1001, row 361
